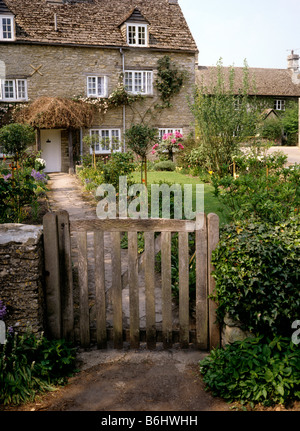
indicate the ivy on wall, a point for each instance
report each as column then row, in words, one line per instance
column 169, row 80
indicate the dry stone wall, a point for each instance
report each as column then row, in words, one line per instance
column 21, row 276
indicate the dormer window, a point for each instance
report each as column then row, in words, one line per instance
column 6, row 27
column 137, row 34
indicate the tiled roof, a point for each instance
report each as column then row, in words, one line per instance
column 96, row 22
column 3, row 7
column 267, row 82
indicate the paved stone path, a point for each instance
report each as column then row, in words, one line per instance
column 66, row 193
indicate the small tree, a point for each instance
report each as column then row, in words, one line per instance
column 140, row 139
column 15, row 138
column 290, row 122
column 224, row 116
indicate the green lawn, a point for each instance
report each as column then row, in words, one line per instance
column 211, row 203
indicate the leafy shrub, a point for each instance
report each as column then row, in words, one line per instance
column 120, row 164
column 167, row 165
column 255, row 370
column 15, row 193
column 271, row 129
column 15, row 138
column 264, row 189
column 257, row 272
column 30, row 364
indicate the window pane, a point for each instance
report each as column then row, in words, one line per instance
column 95, row 140
column 138, row 82
column 7, row 28
column 149, row 83
column 115, row 140
column 91, row 86
column 131, row 35
column 105, row 140
column 142, row 36
column 21, row 89
column 100, row 86
column 128, row 81
column 9, row 90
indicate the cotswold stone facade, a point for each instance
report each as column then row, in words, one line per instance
column 73, row 48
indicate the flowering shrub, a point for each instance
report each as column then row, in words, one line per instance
column 39, row 176
column 30, row 364
column 40, row 164
column 2, row 310
column 169, row 143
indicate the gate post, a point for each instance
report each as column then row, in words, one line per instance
column 212, row 241
column 201, row 282
column 52, row 275
column 66, row 276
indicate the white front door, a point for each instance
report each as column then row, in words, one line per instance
column 51, row 149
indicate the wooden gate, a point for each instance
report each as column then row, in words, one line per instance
column 157, row 235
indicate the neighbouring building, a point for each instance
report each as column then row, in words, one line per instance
column 55, row 51
column 275, row 88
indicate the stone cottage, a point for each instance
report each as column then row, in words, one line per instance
column 53, row 52
column 275, row 88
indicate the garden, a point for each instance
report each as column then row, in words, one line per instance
column 256, row 263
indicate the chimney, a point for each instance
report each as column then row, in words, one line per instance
column 293, row 62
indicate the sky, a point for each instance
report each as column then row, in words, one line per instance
column 262, row 32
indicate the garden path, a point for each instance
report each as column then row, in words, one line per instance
column 142, row 380
column 66, row 193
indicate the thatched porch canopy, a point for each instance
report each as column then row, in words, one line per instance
column 56, row 113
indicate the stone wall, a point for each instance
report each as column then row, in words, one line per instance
column 232, row 332
column 21, row 276
column 64, row 72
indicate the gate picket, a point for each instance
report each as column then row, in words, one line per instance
column 150, row 290
column 183, row 257
column 116, row 290
column 133, row 290
column 100, row 290
column 166, row 289
column 83, row 290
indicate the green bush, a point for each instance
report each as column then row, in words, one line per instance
column 264, row 189
column 255, row 370
column 120, row 164
column 257, row 273
column 167, row 165
column 30, row 364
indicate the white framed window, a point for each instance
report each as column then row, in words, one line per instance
column 105, row 140
column 6, row 27
column 13, row 90
column 138, row 81
column 163, row 132
column 279, row 105
column 137, row 34
column 97, row 86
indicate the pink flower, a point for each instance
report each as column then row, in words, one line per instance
column 181, row 146
column 153, row 152
column 178, row 134
column 154, row 146
column 173, row 141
